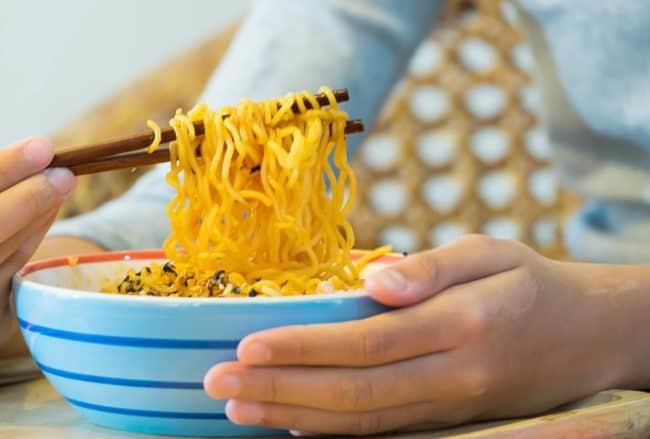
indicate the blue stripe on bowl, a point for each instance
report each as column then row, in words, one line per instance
column 138, row 398
column 146, row 413
column 167, row 343
column 126, row 382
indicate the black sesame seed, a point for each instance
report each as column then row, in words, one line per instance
column 236, row 290
column 148, row 270
column 219, row 276
column 169, row 268
column 253, row 293
column 405, row 254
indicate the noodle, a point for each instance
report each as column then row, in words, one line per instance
column 157, row 136
column 252, row 212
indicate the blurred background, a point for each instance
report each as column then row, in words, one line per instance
column 59, row 58
column 458, row 147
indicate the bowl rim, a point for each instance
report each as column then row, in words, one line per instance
column 148, row 254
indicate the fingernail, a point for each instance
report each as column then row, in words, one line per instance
column 227, row 386
column 39, row 152
column 256, row 352
column 62, row 179
column 300, row 433
column 244, row 412
column 387, row 280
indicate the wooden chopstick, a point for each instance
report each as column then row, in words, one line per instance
column 71, row 157
column 134, row 160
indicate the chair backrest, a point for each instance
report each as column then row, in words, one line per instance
column 457, row 149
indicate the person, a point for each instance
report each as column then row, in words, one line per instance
column 482, row 328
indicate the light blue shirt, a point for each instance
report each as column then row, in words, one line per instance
column 593, row 67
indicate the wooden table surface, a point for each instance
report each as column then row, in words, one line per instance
column 33, row 409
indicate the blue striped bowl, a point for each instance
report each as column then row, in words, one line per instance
column 137, row 363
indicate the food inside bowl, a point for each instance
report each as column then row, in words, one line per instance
column 163, row 279
column 261, row 204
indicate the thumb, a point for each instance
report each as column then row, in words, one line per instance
column 405, row 283
column 422, row 275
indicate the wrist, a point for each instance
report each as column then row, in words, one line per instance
column 620, row 323
column 632, row 297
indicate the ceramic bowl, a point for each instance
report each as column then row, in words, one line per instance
column 137, row 363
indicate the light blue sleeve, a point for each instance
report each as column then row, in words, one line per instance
column 283, row 45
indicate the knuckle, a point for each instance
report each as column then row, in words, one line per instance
column 354, row 394
column 475, row 321
column 523, row 252
column 273, row 388
column 478, row 242
column 475, row 381
column 279, row 418
column 530, row 281
column 529, row 286
column 11, row 161
column 39, row 194
column 4, row 176
column 373, row 346
column 300, row 348
column 430, row 264
column 523, row 247
column 20, row 254
column 427, row 265
column 367, row 423
column 19, row 258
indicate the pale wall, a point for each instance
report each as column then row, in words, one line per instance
column 59, row 57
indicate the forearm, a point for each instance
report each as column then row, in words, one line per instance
column 65, row 246
column 135, row 220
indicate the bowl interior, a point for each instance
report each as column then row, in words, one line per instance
column 91, row 273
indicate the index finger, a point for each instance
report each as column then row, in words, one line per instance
column 24, row 159
column 26, row 201
column 437, row 325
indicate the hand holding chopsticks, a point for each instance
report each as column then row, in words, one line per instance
column 129, row 152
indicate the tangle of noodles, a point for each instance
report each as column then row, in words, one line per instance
column 252, row 212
